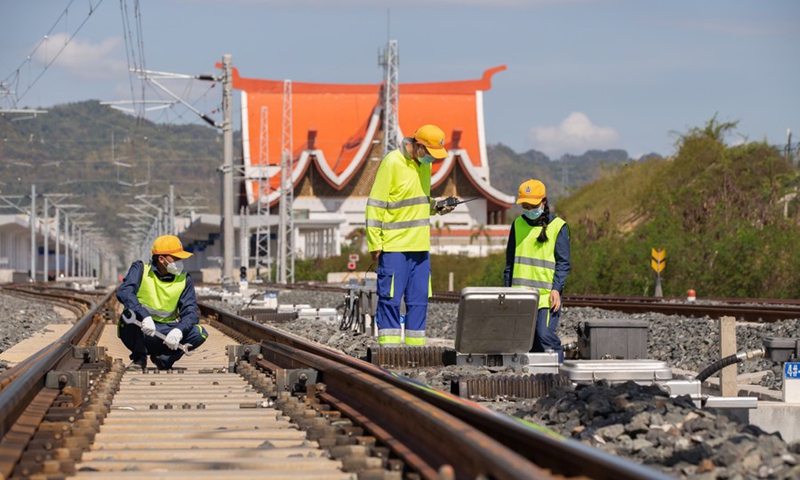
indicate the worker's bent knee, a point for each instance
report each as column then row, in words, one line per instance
column 196, row 336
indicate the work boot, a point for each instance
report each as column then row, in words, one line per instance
column 138, row 364
column 159, row 363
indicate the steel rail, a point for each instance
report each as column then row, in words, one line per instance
column 559, row 455
column 748, row 309
column 753, row 310
column 25, row 380
column 398, row 417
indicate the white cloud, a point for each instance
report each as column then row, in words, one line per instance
column 575, row 135
column 83, row 59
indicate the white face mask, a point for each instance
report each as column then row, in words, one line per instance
column 175, row 268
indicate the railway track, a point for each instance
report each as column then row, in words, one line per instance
column 754, row 310
column 748, row 309
column 258, row 402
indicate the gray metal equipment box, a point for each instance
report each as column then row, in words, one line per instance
column 640, row 371
column 782, row 349
column 496, row 320
column 612, row 339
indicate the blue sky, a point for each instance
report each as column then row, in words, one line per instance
column 581, row 74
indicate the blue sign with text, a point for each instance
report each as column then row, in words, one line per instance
column 791, row 370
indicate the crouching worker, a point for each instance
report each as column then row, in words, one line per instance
column 162, row 297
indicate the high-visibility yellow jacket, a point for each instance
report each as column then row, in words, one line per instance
column 160, row 298
column 534, row 261
column 398, row 208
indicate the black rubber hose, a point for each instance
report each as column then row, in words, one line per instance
column 729, row 360
column 717, row 366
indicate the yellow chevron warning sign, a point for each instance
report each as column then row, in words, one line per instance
column 658, row 259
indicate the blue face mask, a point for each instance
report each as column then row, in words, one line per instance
column 534, row 214
column 427, row 159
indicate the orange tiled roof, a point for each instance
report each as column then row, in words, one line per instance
column 335, row 124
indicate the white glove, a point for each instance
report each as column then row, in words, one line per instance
column 173, row 338
column 148, row 326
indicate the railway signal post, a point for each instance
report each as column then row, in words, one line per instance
column 658, row 260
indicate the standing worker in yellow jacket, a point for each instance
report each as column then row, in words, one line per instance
column 537, row 256
column 399, row 234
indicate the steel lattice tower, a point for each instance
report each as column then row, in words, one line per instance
column 390, row 60
column 286, row 227
column 263, row 249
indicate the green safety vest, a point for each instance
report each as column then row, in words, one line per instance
column 399, row 206
column 160, row 298
column 535, row 262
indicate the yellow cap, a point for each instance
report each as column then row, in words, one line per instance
column 432, row 137
column 531, row 192
column 169, row 245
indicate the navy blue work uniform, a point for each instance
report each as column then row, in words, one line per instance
column 187, row 321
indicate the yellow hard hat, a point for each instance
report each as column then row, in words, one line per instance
column 532, row 192
column 169, row 245
column 432, row 137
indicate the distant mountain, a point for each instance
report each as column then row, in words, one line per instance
column 561, row 177
column 106, row 158
column 103, row 159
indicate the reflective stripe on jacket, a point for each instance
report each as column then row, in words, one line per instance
column 160, row 298
column 398, row 208
column 535, row 262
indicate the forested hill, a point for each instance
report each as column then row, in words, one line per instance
column 105, row 158
column 109, row 157
column 562, row 176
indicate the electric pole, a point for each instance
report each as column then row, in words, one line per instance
column 227, row 172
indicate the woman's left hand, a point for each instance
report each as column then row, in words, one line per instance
column 555, row 300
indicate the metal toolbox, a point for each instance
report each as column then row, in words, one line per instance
column 782, row 349
column 640, row 371
column 612, row 339
column 496, row 320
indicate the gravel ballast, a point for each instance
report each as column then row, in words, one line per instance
column 23, row 318
column 641, row 423
column 638, row 422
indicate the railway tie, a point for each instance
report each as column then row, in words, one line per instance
column 200, row 422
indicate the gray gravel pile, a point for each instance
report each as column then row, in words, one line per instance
column 642, row 423
column 21, row 319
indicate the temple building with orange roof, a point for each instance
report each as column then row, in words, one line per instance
column 336, row 136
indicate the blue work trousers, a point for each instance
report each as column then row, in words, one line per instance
column 164, row 357
column 406, row 276
column 545, row 336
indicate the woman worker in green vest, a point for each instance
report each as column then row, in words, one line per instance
column 161, row 295
column 537, row 256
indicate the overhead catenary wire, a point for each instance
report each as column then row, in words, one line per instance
column 44, row 41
